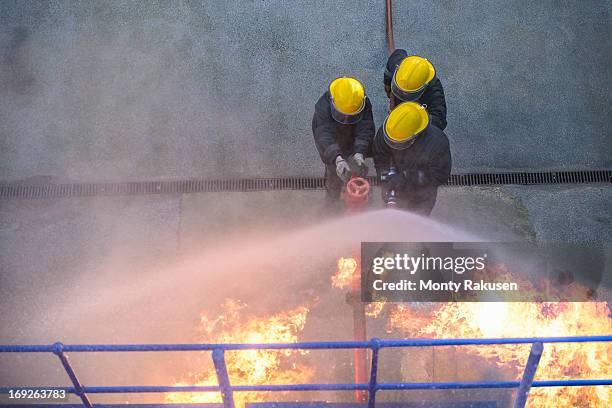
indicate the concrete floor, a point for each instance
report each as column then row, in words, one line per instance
column 121, row 91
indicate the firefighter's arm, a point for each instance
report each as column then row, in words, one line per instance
column 364, row 131
column 440, row 165
column 381, row 154
column 436, row 103
column 392, row 62
column 437, row 171
column 324, row 136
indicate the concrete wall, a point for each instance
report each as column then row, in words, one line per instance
column 109, row 91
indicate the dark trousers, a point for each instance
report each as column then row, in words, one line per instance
column 333, row 183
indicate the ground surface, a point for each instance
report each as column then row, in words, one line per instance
column 118, row 91
column 68, row 263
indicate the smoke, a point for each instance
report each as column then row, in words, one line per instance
column 139, row 301
column 103, row 94
column 134, row 91
column 251, row 268
column 88, row 107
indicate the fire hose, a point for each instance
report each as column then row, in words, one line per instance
column 390, row 197
column 389, row 26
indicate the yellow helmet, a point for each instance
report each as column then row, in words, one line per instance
column 347, row 100
column 411, row 78
column 404, row 124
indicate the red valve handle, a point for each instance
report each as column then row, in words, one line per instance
column 356, row 194
column 357, row 187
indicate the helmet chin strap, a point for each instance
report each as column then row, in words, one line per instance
column 343, row 118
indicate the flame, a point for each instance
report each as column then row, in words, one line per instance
column 526, row 319
column 515, row 319
column 439, row 320
column 249, row 367
column 374, row 309
column 346, row 273
column 348, row 276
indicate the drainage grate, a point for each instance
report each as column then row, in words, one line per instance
column 559, row 177
column 14, row 191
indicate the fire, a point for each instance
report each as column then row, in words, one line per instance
column 374, row 309
column 346, row 273
column 425, row 320
column 526, row 319
column 249, row 367
column 560, row 361
column 348, row 276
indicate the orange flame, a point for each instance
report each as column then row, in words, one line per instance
column 526, row 319
column 516, row 319
column 374, row 309
column 249, row 367
column 346, row 273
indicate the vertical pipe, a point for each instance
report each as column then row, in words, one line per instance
column 389, row 26
column 218, row 356
column 78, row 387
column 528, row 375
column 359, row 332
column 373, row 384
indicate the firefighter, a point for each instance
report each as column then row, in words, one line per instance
column 413, row 79
column 343, row 130
column 412, row 158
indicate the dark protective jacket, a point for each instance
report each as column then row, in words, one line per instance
column 430, row 156
column 433, row 96
column 333, row 138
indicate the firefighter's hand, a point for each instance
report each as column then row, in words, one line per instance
column 397, row 182
column 360, row 164
column 343, row 170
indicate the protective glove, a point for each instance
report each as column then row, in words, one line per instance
column 360, row 164
column 343, row 170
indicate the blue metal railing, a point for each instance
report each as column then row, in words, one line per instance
column 373, row 386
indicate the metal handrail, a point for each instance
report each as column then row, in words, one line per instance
column 227, row 390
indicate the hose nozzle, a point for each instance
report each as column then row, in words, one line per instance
column 391, row 199
column 390, row 196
